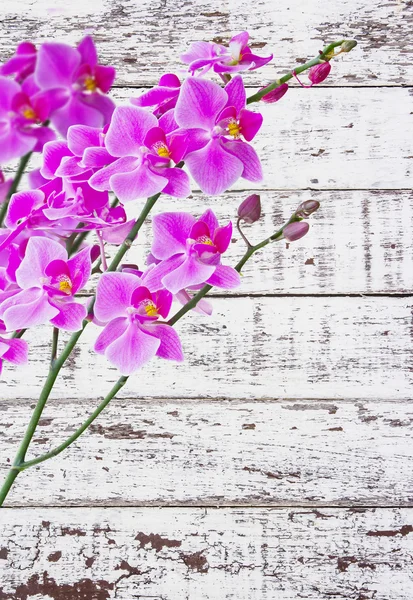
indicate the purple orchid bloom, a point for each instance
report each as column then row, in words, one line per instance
column 14, row 351
column 59, row 206
column 215, row 119
column 48, row 282
column 237, row 57
column 79, row 157
column 144, row 156
column 162, row 97
column 84, row 83
column 133, row 334
column 190, row 253
column 22, row 63
column 20, row 118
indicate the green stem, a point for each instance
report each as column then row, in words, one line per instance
column 37, row 413
column 13, row 189
column 30, row 463
column 59, row 362
column 326, row 54
column 122, row 380
column 55, row 342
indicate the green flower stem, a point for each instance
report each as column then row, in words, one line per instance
column 326, row 54
column 31, row 463
column 122, row 380
column 13, row 189
column 57, row 364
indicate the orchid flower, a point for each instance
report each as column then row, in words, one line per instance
column 190, row 253
column 237, row 57
column 48, row 282
column 14, row 351
column 162, row 97
column 144, row 155
column 76, row 73
column 133, row 334
column 22, row 63
column 20, row 119
column 215, row 119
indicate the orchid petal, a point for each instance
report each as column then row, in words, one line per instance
column 199, row 103
column 132, row 350
column 170, row 232
column 40, row 252
column 127, row 130
column 214, row 169
column 113, row 295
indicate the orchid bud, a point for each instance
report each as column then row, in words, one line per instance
column 295, row 231
column 307, row 208
column 276, row 94
column 318, row 73
column 250, row 209
column 348, row 45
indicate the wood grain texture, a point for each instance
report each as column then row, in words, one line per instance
column 206, row 453
column 146, row 38
column 360, row 242
column 297, row 347
column 183, row 554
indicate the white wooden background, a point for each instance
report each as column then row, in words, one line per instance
column 276, row 462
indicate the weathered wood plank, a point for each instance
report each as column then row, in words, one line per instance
column 295, row 347
column 207, row 453
column 145, row 39
column 359, row 242
column 333, row 139
column 178, row 554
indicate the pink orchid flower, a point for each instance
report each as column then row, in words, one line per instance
column 20, row 119
column 79, row 157
column 48, row 282
column 162, row 97
column 237, row 57
column 190, row 253
column 133, row 334
column 22, row 63
column 14, row 351
column 215, row 120
column 76, row 73
column 144, row 155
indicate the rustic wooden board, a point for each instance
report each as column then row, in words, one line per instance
column 297, row 347
column 354, row 246
column 183, row 554
column 332, row 139
column 281, row 453
column 144, row 39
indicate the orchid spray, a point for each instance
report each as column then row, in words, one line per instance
column 97, row 158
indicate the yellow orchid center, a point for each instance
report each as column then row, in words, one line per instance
column 234, row 129
column 150, row 308
column 90, row 84
column 162, row 150
column 28, row 113
column 65, row 284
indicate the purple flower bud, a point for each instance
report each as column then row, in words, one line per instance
column 295, row 231
column 318, row 73
column 250, row 209
column 307, row 208
column 276, row 94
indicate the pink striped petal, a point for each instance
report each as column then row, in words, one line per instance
column 170, row 232
column 214, row 169
column 132, row 350
column 170, row 344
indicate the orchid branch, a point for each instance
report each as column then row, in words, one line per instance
column 60, row 360
column 325, row 55
column 277, row 236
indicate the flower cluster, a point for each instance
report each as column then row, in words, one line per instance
column 53, row 99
